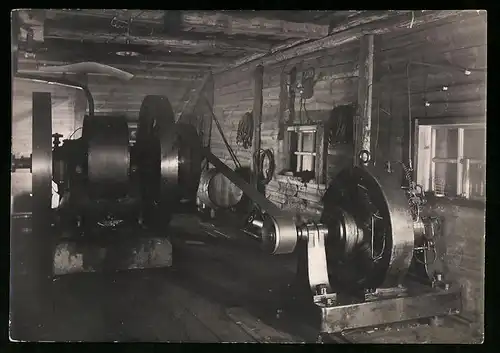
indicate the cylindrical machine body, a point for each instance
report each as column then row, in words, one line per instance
column 108, row 156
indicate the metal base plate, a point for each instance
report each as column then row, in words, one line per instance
column 120, row 254
column 433, row 302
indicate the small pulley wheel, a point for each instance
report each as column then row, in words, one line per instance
column 279, row 234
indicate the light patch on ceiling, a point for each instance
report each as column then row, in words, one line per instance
column 128, row 53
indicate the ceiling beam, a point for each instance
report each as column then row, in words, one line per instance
column 231, row 25
column 154, row 40
column 72, row 51
column 211, row 22
column 354, row 29
column 60, row 49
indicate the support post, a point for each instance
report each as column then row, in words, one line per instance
column 281, row 123
column 257, row 119
column 207, row 123
column 289, row 113
column 365, row 82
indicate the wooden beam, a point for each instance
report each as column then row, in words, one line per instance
column 283, row 102
column 193, row 101
column 282, row 133
column 105, row 53
column 211, row 22
column 221, row 22
column 290, row 117
column 353, row 30
column 168, row 41
column 365, row 87
column 257, row 119
column 210, row 96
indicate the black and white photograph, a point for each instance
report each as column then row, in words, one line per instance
column 237, row 176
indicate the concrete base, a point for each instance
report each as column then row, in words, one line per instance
column 118, row 254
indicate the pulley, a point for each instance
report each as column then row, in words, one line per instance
column 169, row 162
column 370, row 229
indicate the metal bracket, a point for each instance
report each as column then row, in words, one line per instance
column 317, row 265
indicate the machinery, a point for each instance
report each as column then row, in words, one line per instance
column 117, row 195
column 369, row 261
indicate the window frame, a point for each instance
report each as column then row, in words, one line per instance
column 427, row 153
column 319, row 151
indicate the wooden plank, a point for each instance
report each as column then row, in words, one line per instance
column 463, row 17
column 57, row 30
column 230, row 25
column 321, row 154
column 380, row 23
column 257, row 119
column 457, row 32
column 261, row 332
column 195, row 329
column 212, row 316
column 328, row 62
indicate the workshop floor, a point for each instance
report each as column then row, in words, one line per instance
column 221, row 289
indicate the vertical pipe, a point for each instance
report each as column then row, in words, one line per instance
column 210, row 94
column 257, row 119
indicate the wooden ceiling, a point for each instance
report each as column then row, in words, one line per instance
column 168, row 43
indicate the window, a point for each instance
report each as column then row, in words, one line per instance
column 451, row 158
column 306, row 151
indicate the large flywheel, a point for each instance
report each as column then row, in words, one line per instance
column 370, row 230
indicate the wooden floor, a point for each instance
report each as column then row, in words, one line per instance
column 222, row 288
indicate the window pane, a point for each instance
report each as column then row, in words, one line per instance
column 308, row 142
column 475, row 143
column 452, row 143
column 308, row 163
column 441, row 169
